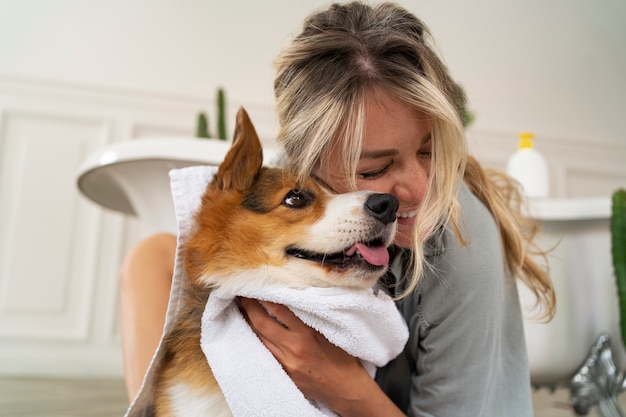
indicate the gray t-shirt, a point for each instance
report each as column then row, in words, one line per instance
column 466, row 354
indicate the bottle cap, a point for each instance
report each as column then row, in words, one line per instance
column 525, row 140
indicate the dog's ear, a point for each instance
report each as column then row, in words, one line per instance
column 244, row 159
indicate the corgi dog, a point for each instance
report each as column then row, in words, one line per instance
column 257, row 218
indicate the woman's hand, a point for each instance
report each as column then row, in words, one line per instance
column 321, row 370
column 311, row 361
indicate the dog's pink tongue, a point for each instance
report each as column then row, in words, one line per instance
column 374, row 255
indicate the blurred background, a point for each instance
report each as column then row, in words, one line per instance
column 76, row 76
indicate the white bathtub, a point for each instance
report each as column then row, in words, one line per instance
column 582, row 271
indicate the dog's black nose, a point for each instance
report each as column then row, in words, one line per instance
column 382, row 206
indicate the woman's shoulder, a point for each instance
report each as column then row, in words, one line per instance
column 469, row 268
column 477, row 227
column 473, row 212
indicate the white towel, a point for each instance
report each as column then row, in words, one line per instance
column 365, row 323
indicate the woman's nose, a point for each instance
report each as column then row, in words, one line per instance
column 412, row 183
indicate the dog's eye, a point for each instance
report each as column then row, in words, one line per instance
column 297, row 199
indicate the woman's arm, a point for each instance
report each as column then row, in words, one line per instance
column 321, row 370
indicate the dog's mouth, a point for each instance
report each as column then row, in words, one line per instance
column 372, row 254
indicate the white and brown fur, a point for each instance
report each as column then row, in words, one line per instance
column 253, row 219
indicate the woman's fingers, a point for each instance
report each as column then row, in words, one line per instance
column 268, row 321
column 264, row 315
column 280, row 330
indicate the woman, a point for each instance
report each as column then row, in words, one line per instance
column 365, row 103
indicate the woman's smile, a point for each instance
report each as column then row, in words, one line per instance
column 406, row 217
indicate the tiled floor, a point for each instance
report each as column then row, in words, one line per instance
column 554, row 404
column 107, row 398
column 62, row 398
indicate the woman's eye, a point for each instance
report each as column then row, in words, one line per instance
column 368, row 175
column 297, row 199
column 425, row 154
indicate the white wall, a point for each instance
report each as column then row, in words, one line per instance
column 556, row 67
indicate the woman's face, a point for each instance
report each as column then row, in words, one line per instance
column 395, row 159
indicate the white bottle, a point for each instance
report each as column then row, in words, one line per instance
column 529, row 168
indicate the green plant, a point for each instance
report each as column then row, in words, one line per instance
column 221, row 114
column 618, row 251
column 467, row 116
column 202, row 124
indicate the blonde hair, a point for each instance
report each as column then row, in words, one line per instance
column 323, row 77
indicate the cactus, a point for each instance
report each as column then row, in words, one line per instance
column 202, row 123
column 618, row 251
column 202, row 126
column 221, row 114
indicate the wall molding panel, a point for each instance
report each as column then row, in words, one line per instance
column 42, row 264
